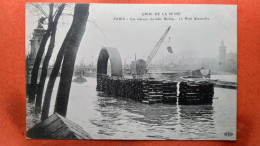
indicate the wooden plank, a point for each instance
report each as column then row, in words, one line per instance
column 57, row 127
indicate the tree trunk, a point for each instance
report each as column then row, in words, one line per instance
column 78, row 27
column 38, row 59
column 52, row 79
column 47, row 59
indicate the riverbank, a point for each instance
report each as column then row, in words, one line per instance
column 31, row 118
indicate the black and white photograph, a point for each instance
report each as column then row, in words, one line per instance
column 131, row 71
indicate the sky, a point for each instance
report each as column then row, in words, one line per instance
column 188, row 38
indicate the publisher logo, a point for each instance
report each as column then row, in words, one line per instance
column 228, row 134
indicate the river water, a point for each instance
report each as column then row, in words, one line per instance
column 106, row 117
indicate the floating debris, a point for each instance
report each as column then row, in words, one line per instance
column 79, row 80
column 150, row 90
column 196, row 92
column 142, row 90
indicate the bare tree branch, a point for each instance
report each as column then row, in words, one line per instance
column 40, row 8
column 58, row 7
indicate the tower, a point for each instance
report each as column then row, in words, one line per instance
column 222, row 54
column 35, row 43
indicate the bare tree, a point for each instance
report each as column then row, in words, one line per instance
column 39, row 56
column 53, row 76
column 52, row 79
column 53, row 25
column 77, row 29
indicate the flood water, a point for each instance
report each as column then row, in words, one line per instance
column 106, row 117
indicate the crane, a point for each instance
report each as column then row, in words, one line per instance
column 154, row 51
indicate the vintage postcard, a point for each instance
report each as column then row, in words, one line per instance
column 131, row 71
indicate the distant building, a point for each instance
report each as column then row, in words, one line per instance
column 222, row 54
column 227, row 60
column 35, row 45
column 127, row 69
column 231, row 62
column 85, row 70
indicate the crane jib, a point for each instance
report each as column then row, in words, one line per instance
column 155, row 50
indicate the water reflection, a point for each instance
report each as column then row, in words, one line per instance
column 158, row 121
column 197, row 121
column 106, row 117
